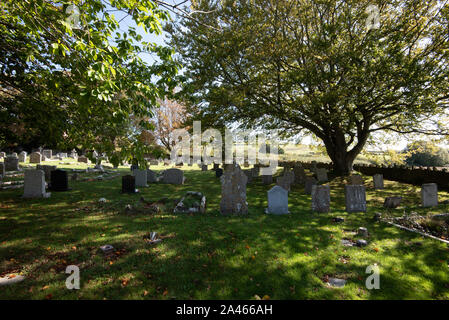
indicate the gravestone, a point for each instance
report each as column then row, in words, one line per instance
column 35, row 157
column 355, row 198
column 73, row 154
column 290, row 176
column 14, row 154
column 218, row 172
column 255, row 171
column 321, row 198
column 23, row 156
column 59, row 180
column 321, row 174
column 378, row 180
column 300, row 175
column 151, row 176
column 356, row 180
column 129, row 184
column 310, row 181
column 2, row 169
column 63, row 155
column 47, row 153
column 203, row 167
column 2, row 154
column 173, row 176
column 284, row 182
column 83, row 159
column 249, row 176
column 154, row 163
column 233, row 191
column 392, row 202
column 277, row 201
column 34, row 184
column 47, row 169
column 314, row 167
column 140, row 178
column 216, row 166
column 267, row 179
column 11, row 163
column 429, row 195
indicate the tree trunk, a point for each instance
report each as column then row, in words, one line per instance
column 342, row 162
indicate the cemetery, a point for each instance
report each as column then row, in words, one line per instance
column 220, row 150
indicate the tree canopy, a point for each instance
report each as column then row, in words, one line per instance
column 319, row 66
column 70, row 76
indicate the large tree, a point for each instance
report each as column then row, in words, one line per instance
column 75, row 76
column 327, row 67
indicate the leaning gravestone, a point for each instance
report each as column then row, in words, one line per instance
column 267, row 179
column 309, row 182
column 11, row 163
column 355, row 197
column 429, row 195
column 34, row 184
column 35, row 157
column 151, row 176
column 356, row 180
column 47, row 169
column 378, row 180
column 173, row 176
column 129, row 184
column 23, row 156
column 140, row 177
column 321, row 198
column 300, row 175
column 233, row 191
column 277, row 201
column 59, row 180
column 47, row 153
column 321, row 174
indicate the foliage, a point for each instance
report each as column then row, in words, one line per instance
column 71, row 85
column 315, row 66
column 425, row 153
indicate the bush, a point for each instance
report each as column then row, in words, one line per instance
column 423, row 153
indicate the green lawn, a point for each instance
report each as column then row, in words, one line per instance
column 209, row 256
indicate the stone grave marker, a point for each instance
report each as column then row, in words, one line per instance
column 378, row 180
column 233, row 191
column 321, row 198
column 309, row 182
column 129, row 184
column 47, row 169
column 2, row 154
column 356, row 180
column 23, row 156
column 2, row 169
column 392, row 202
column 203, row 167
column 35, row 157
column 173, row 176
column 284, row 182
column 429, row 195
column 11, row 163
column 249, row 176
column 47, row 153
column 321, row 174
column 59, row 180
column 277, row 201
column 83, row 159
column 267, row 179
column 34, row 184
column 140, row 177
column 355, row 198
column 151, row 176
column 300, row 175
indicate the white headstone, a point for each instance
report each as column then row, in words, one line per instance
column 277, row 201
column 141, row 177
column 34, row 185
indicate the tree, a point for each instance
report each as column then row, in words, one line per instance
column 76, row 84
column 319, row 66
column 168, row 117
column 425, row 153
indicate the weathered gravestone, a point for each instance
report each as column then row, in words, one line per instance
column 355, row 197
column 267, row 179
column 129, row 184
column 300, row 175
column 34, row 184
column 59, row 180
column 47, row 169
column 356, row 180
column 392, row 202
column 23, row 156
column 284, row 182
column 233, row 191
column 308, row 184
column 154, row 163
column 11, row 163
column 321, row 174
column 321, row 198
column 218, row 172
column 249, row 176
column 140, row 177
column 73, row 154
column 83, row 159
column 203, row 167
column 2, row 154
column 35, row 157
column 173, row 176
column 255, row 171
column 429, row 195
column 290, row 176
column 14, row 154
column 378, row 180
column 277, row 201
column 47, row 153
column 151, row 176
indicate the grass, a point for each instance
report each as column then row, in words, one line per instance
column 208, row 256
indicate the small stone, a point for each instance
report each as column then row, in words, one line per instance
column 363, row 232
column 392, row 202
column 337, row 283
column 8, row 280
column 338, row 219
column 107, row 249
column 347, row 243
column 377, row 216
column 102, row 200
column 361, row 243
